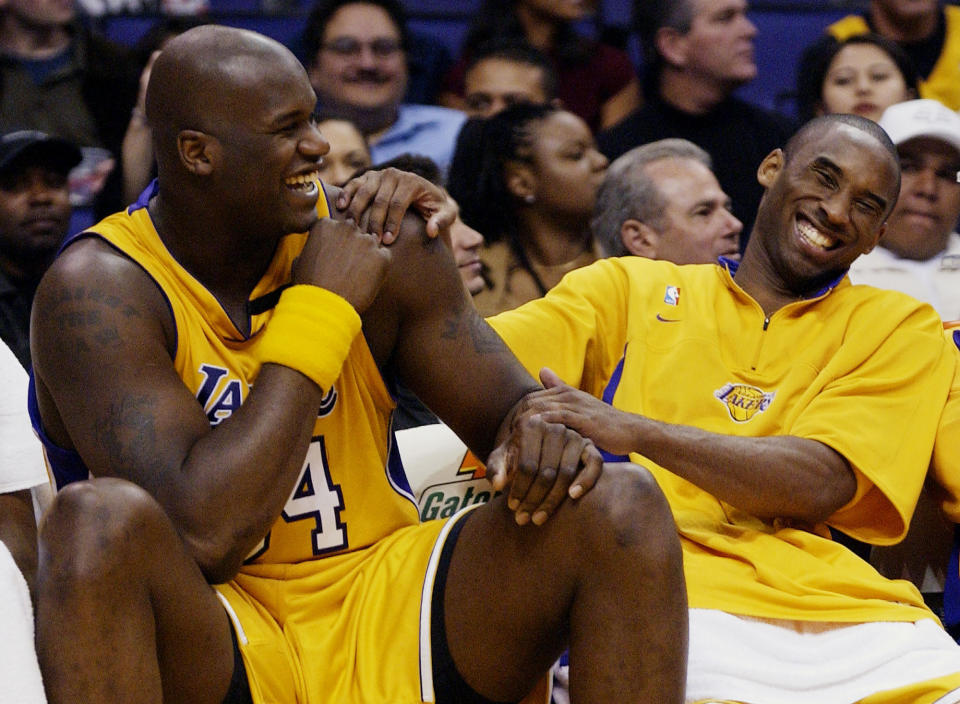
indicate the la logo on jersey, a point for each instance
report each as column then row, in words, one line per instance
column 744, row 401
column 220, row 395
column 327, row 403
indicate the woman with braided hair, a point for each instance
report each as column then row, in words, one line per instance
column 527, row 178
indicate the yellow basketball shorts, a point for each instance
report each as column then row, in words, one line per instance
column 352, row 628
column 345, row 628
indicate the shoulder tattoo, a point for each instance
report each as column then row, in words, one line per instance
column 80, row 308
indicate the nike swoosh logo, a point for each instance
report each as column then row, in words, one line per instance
column 667, row 320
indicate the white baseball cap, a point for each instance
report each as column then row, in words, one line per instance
column 921, row 118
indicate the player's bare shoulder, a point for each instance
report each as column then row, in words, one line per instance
column 89, row 292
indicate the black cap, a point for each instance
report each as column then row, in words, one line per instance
column 31, row 147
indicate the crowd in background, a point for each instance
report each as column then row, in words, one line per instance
column 407, row 92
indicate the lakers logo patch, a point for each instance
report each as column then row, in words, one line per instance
column 744, row 401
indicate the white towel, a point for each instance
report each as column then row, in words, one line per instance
column 21, row 455
column 20, row 681
column 744, row 659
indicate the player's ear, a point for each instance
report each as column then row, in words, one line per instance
column 199, row 151
column 770, row 167
column 876, row 239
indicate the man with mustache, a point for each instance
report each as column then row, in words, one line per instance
column 357, row 63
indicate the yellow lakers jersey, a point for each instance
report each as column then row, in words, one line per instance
column 351, row 491
column 861, row 370
column 943, row 83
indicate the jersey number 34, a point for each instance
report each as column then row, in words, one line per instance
column 314, row 498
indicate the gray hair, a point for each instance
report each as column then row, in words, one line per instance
column 628, row 192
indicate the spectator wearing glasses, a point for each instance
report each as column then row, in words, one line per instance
column 357, row 63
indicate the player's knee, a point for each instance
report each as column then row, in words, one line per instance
column 95, row 524
column 630, row 510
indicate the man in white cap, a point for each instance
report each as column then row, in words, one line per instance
column 920, row 252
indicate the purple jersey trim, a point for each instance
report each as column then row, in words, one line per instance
column 66, row 465
column 607, row 397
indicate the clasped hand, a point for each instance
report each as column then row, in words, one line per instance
column 610, row 428
column 551, row 452
column 379, row 199
column 541, row 464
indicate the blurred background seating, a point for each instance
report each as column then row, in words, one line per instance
column 785, row 27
